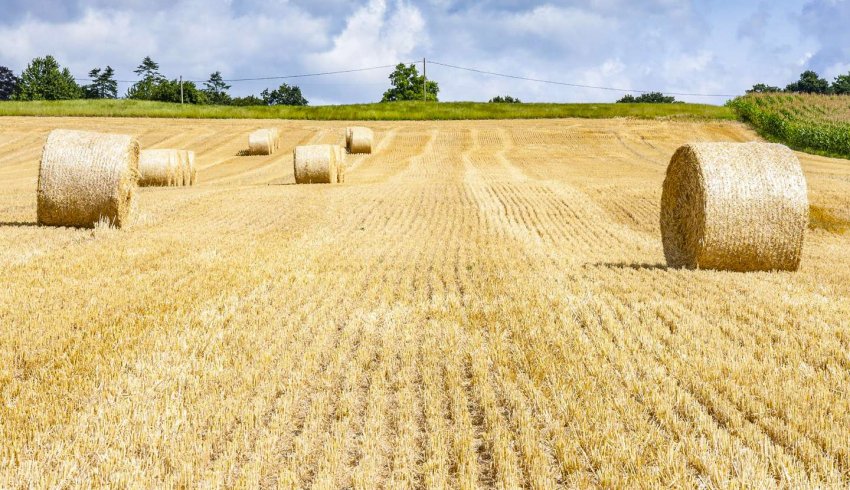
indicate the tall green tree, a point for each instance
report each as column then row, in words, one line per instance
column 149, row 70
column 284, row 95
column 8, row 83
column 841, row 85
column 150, row 78
column 169, row 91
column 216, row 90
column 809, row 83
column 407, row 84
column 103, row 84
column 44, row 79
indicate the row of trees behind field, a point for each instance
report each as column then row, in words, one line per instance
column 45, row 79
column 809, row 83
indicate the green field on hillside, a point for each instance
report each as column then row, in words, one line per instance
column 373, row 112
column 806, row 122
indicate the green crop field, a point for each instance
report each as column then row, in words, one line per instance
column 373, row 112
column 806, row 122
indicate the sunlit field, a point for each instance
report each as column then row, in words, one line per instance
column 481, row 305
column 811, row 122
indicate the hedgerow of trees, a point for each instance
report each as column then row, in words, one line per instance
column 45, row 79
column 504, row 100
column 808, row 83
column 647, row 98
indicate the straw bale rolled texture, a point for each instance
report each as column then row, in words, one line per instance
column 734, row 206
column 85, row 177
column 359, row 139
column 193, row 171
column 183, row 175
column 158, row 168
column 315, row 164
column 260, row 142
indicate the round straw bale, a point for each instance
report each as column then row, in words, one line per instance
column 193, row 171
column 158, row 168
column 260, row 142
column 85, row 177
column 315, row 164
column 734, row 206
column 183, row 175
column 359, row 140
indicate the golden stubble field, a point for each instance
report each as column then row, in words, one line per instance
column 482, row 304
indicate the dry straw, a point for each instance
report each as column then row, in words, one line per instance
column 183, row 176
column 339, row 153
column 358, row 139
column 734, row 206
column 275, row 136
column 159, row 168
column 260, row 142
column 85, row 178
column 315, row 164
column 193, row 170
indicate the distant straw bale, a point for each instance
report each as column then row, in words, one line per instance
column 734, row 206
column 159, row 168
column 86, row 177
column 359, row 139
column 315, row 164
column 260, row 142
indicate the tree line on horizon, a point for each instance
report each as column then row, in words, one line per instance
column 809, row 83
column 45, row 79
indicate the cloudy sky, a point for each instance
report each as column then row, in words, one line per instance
column 705, row 46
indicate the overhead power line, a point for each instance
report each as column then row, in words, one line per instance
column 456, row 67
column 280, row 77
column 578, row 85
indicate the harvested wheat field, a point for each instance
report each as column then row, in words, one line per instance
column 480, row 305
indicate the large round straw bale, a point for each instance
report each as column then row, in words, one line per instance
column 86, row 177
column 315, row 164
column 734, row 206
column 260, row 142
column 158, row 168
column 359, row 139
column 193, row 171
column 339, row 154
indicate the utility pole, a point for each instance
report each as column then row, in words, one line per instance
column 181, row 89
column 424, row 82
